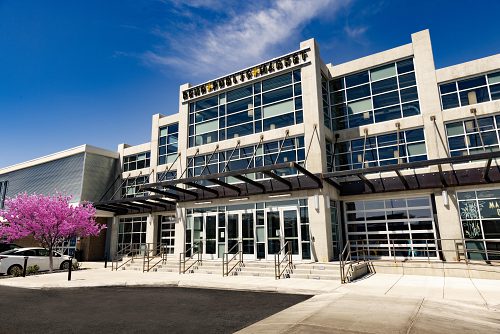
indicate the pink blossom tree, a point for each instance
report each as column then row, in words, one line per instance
column 48, row 219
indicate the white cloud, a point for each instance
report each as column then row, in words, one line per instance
column 245, row 36
column 354, row 32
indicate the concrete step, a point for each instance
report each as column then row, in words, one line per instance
column 313, row 276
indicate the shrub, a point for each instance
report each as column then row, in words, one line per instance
column 31, row 270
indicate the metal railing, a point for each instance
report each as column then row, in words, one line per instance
column 152, row 253
column 470, row 251
column 196, row 254
column 286, row 260
column 347, row 263
column 131, row 252
column 237, row 255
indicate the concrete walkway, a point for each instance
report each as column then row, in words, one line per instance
column 381, row 303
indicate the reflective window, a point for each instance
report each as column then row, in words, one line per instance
column 469, row 91
column 479, row 212
column 379, row 150
column 269, row 153
column 3, row 192
column 402, row 227
column 131, row 233
column 469, row 137
column 167, row 142
column 380, row 94
column 136, row 161
column 131, row 187
column 266, row 105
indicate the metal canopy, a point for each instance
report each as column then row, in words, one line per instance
column 136, row 205
column 356, row 182
column 216, row 185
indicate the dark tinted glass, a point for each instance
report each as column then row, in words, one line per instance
column 276, row 82
column 358, row 92
column 239, row 93
column 206, row 103
column 409, row 94
column 448, row 88
column 385, row 99
column 336, row 84
column 471, row 83
column 384, row 85
column 450, row 101
column 356, row 79
column 405, row 66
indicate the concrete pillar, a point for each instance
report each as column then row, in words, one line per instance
column 430, row 105
column 180, row 231
column 151, row 229
column 449, row 223
column 113, row 244
column 320, row 227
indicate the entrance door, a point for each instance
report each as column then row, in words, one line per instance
column 282, row 227
column 205, row 230
column 240, row 227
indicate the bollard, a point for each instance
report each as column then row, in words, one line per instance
column 105, row 260
column 25, row 265
column 70, row 268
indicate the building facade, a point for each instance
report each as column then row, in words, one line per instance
column 385, row 152
column 83, row 172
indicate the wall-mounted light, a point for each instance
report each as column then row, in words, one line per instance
column 280, row 195
column 201, row 203
column 446, row 200
column 328, row 202
column 238, row 199
column 316, row 202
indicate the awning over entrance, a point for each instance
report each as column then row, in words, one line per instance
column 407, row 176
column 270, row 179
column 136, row 205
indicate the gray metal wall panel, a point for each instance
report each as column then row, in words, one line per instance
column 100, row 172
column 63, row 175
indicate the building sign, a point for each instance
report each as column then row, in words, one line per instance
column 490, row 209
column 275, row 65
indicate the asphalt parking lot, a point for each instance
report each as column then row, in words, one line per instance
column 135, row 310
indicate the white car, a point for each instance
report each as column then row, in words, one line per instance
column 14, row 258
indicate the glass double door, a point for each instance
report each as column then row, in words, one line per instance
column 282, row 227
column 241, row 228
column 261, row 238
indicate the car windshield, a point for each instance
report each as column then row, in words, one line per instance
column 10, row 251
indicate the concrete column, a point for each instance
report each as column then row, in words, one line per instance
column 151, row 229
column 113, row 242
column 449, row 223
column 180, row 231
column 321, row 231
column 428, row 94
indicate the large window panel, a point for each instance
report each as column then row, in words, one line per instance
column 479, row 89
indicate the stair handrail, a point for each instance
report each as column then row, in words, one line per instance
column 287, row 257
column 151, row 253
column 226, row 260
column 131, row 251
column 198, row 247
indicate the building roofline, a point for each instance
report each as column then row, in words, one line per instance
column 59, row 155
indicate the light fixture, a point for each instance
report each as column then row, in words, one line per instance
column 446, row 200
column 328, row 202
column 200, row 203
column 280, row 195
column 316, row 202
column 238, row 199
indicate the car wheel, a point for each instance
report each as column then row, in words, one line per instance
column 65, row 265
column 14, row 268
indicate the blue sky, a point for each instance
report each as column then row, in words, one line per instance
column 93, row 71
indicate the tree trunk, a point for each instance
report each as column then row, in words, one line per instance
column 51, row 260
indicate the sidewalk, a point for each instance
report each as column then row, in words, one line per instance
column 382, row 303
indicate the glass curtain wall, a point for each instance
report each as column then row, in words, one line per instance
column 469, row 137
column 400, row 227
column 379, row 150
column 265, row 105
column 136, row 161
column 480, row 217
column 375, row 95
column 131, row 231
column 131, row 187
column 167, row 143
column 469, row 91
